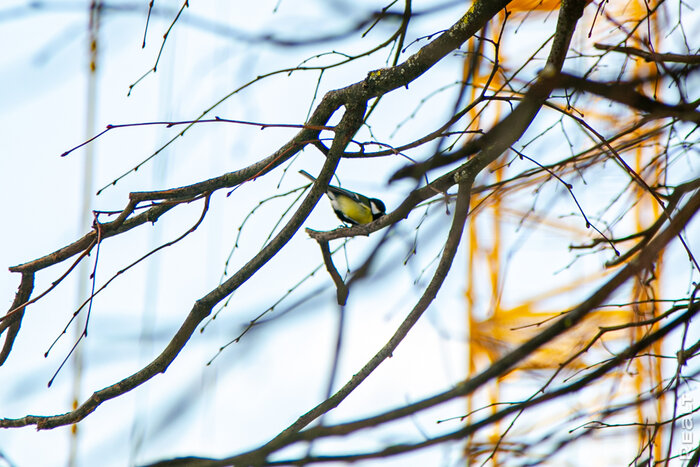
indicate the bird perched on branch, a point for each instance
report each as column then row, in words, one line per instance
column 350, row 207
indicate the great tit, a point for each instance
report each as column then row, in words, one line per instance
column 350, row 207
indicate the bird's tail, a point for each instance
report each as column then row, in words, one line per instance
column 307, row 175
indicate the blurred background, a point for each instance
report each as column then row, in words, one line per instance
column 70, row 68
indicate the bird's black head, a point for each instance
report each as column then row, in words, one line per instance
column 378, row 208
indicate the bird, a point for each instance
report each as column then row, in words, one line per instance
column 350, row 207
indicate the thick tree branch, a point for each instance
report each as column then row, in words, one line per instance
column 625, row 93
column 340, row 287
column 14, row 322
column 693, row 59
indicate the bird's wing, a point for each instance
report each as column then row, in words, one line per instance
column 336, row 190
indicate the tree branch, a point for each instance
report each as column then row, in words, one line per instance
column 693, row 59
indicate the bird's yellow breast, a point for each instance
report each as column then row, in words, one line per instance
column 350, row 208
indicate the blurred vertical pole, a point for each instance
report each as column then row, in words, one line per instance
column 85, row 217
